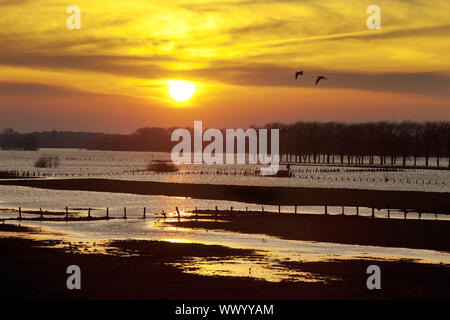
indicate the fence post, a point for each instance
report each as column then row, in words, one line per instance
column 279, row 208
column 373, row 212
column 216, row 212
column 89, row 213
column 295, row 209
column 404, row 212
column 40, row 210
column 67, row 213
column 389, row 212
column 178, row 213
column 144, row 212
column 124, row 213
column 107, row 213
column 196, row 212
column 357, row 211
column 326, row 210
column 20, row 213
column 343, row 213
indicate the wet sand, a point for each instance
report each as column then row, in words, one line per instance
column 417, row 234
column 29, row 269
column 425, row 202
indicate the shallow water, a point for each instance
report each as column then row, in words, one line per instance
column 266, row 266
column 13, row 197
column 76, row 163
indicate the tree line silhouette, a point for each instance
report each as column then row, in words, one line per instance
column 371, row 143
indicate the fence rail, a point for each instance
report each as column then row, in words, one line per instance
column 77, row 215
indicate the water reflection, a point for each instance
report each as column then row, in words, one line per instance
column 92, row 237
column 268, row 270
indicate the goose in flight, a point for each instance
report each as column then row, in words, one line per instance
column 298, row 73
column 320, row 78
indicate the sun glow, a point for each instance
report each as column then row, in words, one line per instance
column 181, row 90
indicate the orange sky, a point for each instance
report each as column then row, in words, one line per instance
column 112, row 74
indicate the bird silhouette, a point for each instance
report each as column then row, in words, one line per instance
column 298, row 73
column 320, row 78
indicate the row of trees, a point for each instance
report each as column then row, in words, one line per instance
column 12, row 140
column 377, row 143
column 371, row 143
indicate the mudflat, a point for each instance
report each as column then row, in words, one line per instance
column 36, row 269
column 362, row 230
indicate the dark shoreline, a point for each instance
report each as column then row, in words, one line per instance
column 415, row 234
column 35, row 272
column 425, row 202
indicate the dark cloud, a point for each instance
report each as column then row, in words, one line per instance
column 140, row 67
column 150, row 67
column 4, row 3
column 38, row 89
column 430, row 83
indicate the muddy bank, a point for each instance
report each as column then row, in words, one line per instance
column 31, row 270
column 417, row 234
column 430, row 202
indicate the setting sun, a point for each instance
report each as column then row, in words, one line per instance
column 181, row 90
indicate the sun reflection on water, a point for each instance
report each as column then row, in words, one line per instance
column 247, row 267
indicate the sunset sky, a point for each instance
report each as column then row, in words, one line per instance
column 112, row 75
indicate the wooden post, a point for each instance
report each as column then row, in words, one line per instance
column 143, row 215
column 107, row 213
column 262, row 209
column 404, row 212
column 216, row 212
column 420, row 214
column 279, row 209
column 178, row 213
column 246, row 209
column 295, row 210
column 20, row 213
column 164, row 214
column 124, row 213
column 343, row 213
column 67, row 213
column 389, row 212
column 40, row 209
column 326, row 210
column 231, row 211
column 373, row 212
column 196, row 212
column 357, row 211
column 89, row 213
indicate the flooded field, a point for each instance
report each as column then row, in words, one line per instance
column 130, row 166
column 273, row 252
column 92, row 237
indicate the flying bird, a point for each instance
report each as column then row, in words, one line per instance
column 320, row 78
column 298, row 73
